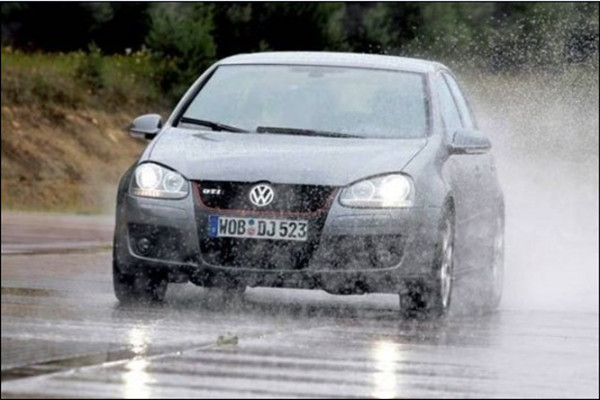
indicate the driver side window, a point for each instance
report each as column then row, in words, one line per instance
column 463, row 106
column 448, row 108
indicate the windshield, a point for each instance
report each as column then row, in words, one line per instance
column 353, row 101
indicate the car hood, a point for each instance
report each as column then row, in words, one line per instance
column 251, row 157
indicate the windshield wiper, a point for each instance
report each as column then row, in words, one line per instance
column 305, row 132
column 215, row 126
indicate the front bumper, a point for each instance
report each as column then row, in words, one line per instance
column 352, row 250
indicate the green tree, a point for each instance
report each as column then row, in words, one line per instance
column 52, row 26
column 182, row 44
column 249, row 27
column 300, row 26
column 538, row 35
column 390, row 27
column 235, row 28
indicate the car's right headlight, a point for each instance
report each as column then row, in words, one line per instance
column 153, row 180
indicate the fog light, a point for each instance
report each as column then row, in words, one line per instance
column 384, row 256
column 384, row 253
column 143, row 245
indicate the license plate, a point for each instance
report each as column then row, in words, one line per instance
column 257, row 228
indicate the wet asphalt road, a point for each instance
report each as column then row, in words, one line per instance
column 64, row 335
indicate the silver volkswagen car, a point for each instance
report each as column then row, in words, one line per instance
column 350, row 173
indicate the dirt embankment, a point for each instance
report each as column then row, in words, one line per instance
column 58, row 158
column 64, row 142
column 63, row 159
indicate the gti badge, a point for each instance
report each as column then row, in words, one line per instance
column 217, row 192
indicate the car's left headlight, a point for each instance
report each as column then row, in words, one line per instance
column 388, row 191
column 153, row 180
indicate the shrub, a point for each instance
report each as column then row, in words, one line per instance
column 90, row 70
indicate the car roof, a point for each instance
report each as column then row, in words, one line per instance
column 358, row 60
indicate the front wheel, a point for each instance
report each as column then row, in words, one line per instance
column 144, row 285
column 494, row 274
column 432, row 297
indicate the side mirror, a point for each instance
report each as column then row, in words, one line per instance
column 469, row 142
column 146, row 126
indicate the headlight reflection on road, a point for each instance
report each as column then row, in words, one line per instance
column 138, row 340
column 136, row 380
column 386, row 356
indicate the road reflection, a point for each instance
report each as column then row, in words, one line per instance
column 137, row 380
column 386, row 356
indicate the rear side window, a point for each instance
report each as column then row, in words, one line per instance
column 463, row 106
column 449, row 109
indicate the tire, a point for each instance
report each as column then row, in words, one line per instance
column 493, row 280
column 145, row 286
column 432, row 297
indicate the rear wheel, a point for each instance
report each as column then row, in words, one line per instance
column 145, row 285
column 432, row 297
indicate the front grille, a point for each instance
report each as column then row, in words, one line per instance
column 288, row 198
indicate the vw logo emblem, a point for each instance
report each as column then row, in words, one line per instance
column 262, row 195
